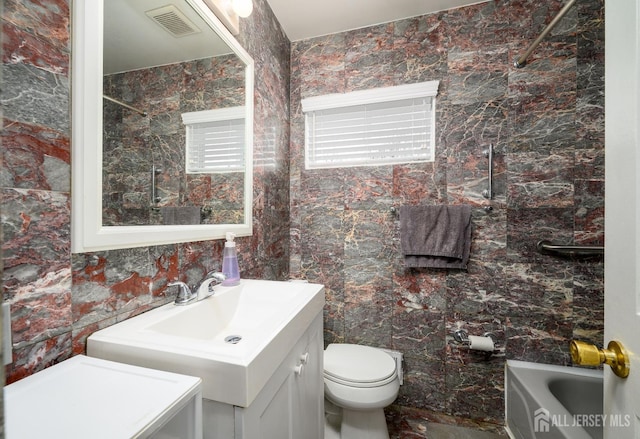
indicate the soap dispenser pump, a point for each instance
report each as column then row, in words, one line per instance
column 230, row 267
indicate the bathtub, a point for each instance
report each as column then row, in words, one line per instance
column 541, row 401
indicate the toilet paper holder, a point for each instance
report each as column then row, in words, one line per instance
column 462, row 337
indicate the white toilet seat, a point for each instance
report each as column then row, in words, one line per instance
column 357, row 365
column 359, row 377
column 360, row 384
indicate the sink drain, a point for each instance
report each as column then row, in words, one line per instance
column 232, row 339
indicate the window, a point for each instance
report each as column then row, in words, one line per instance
column 215, row 140
column 371, row 127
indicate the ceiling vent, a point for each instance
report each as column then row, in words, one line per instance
column 173, row 21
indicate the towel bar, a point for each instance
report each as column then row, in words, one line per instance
column 394, row 211
column 546, row 247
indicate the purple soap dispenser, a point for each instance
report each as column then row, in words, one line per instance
column 230, row 262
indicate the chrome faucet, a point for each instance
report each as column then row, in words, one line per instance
column 204, row 289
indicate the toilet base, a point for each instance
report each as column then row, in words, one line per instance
column 355, row 424
column 364, row 425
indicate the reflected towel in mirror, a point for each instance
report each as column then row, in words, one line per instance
column 185, row 215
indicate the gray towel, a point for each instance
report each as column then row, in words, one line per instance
column 185, row 215
column 435, row 236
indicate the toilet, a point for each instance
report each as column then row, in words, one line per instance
column 359, row 382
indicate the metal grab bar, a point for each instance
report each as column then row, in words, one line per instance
column 522, row 60
column 127, row 106
column 155, row 199
column 488, row 193
column 546, row 247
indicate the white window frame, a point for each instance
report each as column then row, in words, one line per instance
column 311, row 105
column 193, row 119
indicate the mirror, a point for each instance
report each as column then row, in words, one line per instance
column 140, row 95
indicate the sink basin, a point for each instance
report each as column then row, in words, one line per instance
column 260, row 320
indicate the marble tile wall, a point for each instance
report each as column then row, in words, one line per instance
column 546, row 122
column 57, row 299
column 132, row 144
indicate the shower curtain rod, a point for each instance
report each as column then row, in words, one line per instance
column 115, row 101
column 522, row 60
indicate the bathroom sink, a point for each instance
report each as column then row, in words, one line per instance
column 234, row 340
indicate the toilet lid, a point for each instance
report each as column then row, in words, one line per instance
column 360, row 366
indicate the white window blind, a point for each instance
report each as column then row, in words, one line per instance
column 215, row 140
column 374, row 127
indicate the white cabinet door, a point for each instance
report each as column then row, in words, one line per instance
column 291, row 404
column 308, row 398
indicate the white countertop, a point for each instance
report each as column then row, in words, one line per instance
column 86, row 397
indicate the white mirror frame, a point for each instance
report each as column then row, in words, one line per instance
column 87, row 232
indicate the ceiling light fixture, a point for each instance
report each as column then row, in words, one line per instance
column 242, row 7
column 228, row 12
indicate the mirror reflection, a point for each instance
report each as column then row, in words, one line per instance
column 173, row 118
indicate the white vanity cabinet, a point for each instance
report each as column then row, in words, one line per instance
column 290, row 405
column 256, row 346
